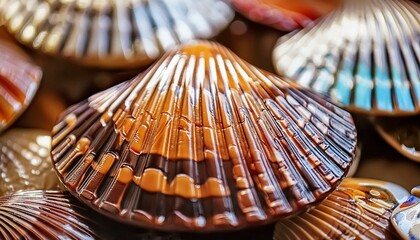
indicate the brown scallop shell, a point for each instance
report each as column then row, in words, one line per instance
column 58, row 215
column 203, row 141
column 357, row 209
column 110, row 33
column 365, row 55
column 19, row 81
column 25, row 161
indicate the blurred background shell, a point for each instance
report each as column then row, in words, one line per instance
column 25, row 161
column 19, row 81
column 365, row 55
column 284, row 14
column 203, row 141
column 111, row 33
column 357, row 209
column 403, row 134
column 406, row 218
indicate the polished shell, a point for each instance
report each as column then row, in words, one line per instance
column 19, row 81
column 357, row 209
column 113, row 33
column 284, row 14
column 365, row 56
column 25, row 161
column 33, row 215
column 203, row 140
column 44, row 215
column 403, row 134
column 406, row 218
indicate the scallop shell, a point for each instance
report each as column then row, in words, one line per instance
column 402, row 134
column 58, row 215
column 25, row 161
column 284, row 15
column 44, row 215
column 203, row 140
column 19, row 81
column 357, row 209
column 365, row 56
column 110, row 33
column 406, row 218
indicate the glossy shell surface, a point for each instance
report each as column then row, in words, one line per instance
column 357, row 209
column 365, row 55
column 403, row 134
column 406, row 218
column 284, row 14
column 113, row 33
column 44, row 215
column 203, row 140
column 19, row 81
column 25, row 161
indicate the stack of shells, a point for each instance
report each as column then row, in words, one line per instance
column 201, row 140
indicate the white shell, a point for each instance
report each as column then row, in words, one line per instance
column 357, row 209
column 365, row 56
column 113, row 33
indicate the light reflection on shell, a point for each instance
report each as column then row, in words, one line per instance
column 19, row 81
column 111, row 33
column 365, row 56
column 357, row 209
column 203, row 140
column 25, row 161
column 406, row 218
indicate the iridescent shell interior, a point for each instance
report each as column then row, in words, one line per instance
column 203, row 141
column 19, row 81
column 25, row 161
column 406, row 218
column 365, row 55
column 113, row 33
column 357, row 209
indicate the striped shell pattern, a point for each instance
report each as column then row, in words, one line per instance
column 203, row 140
column 365, row 55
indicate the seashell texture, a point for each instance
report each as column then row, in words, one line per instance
column 25, row 161
column 58, row 215
column 203, row 140
column 110, row 33
column 406, row 218
column 283, row 14
column 402, row 134
column 357, row 209
column 19, row 81
column 44, row 215
column 365, row 56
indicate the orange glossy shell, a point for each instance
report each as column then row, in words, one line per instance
column 19, row 81
column 203, row 141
